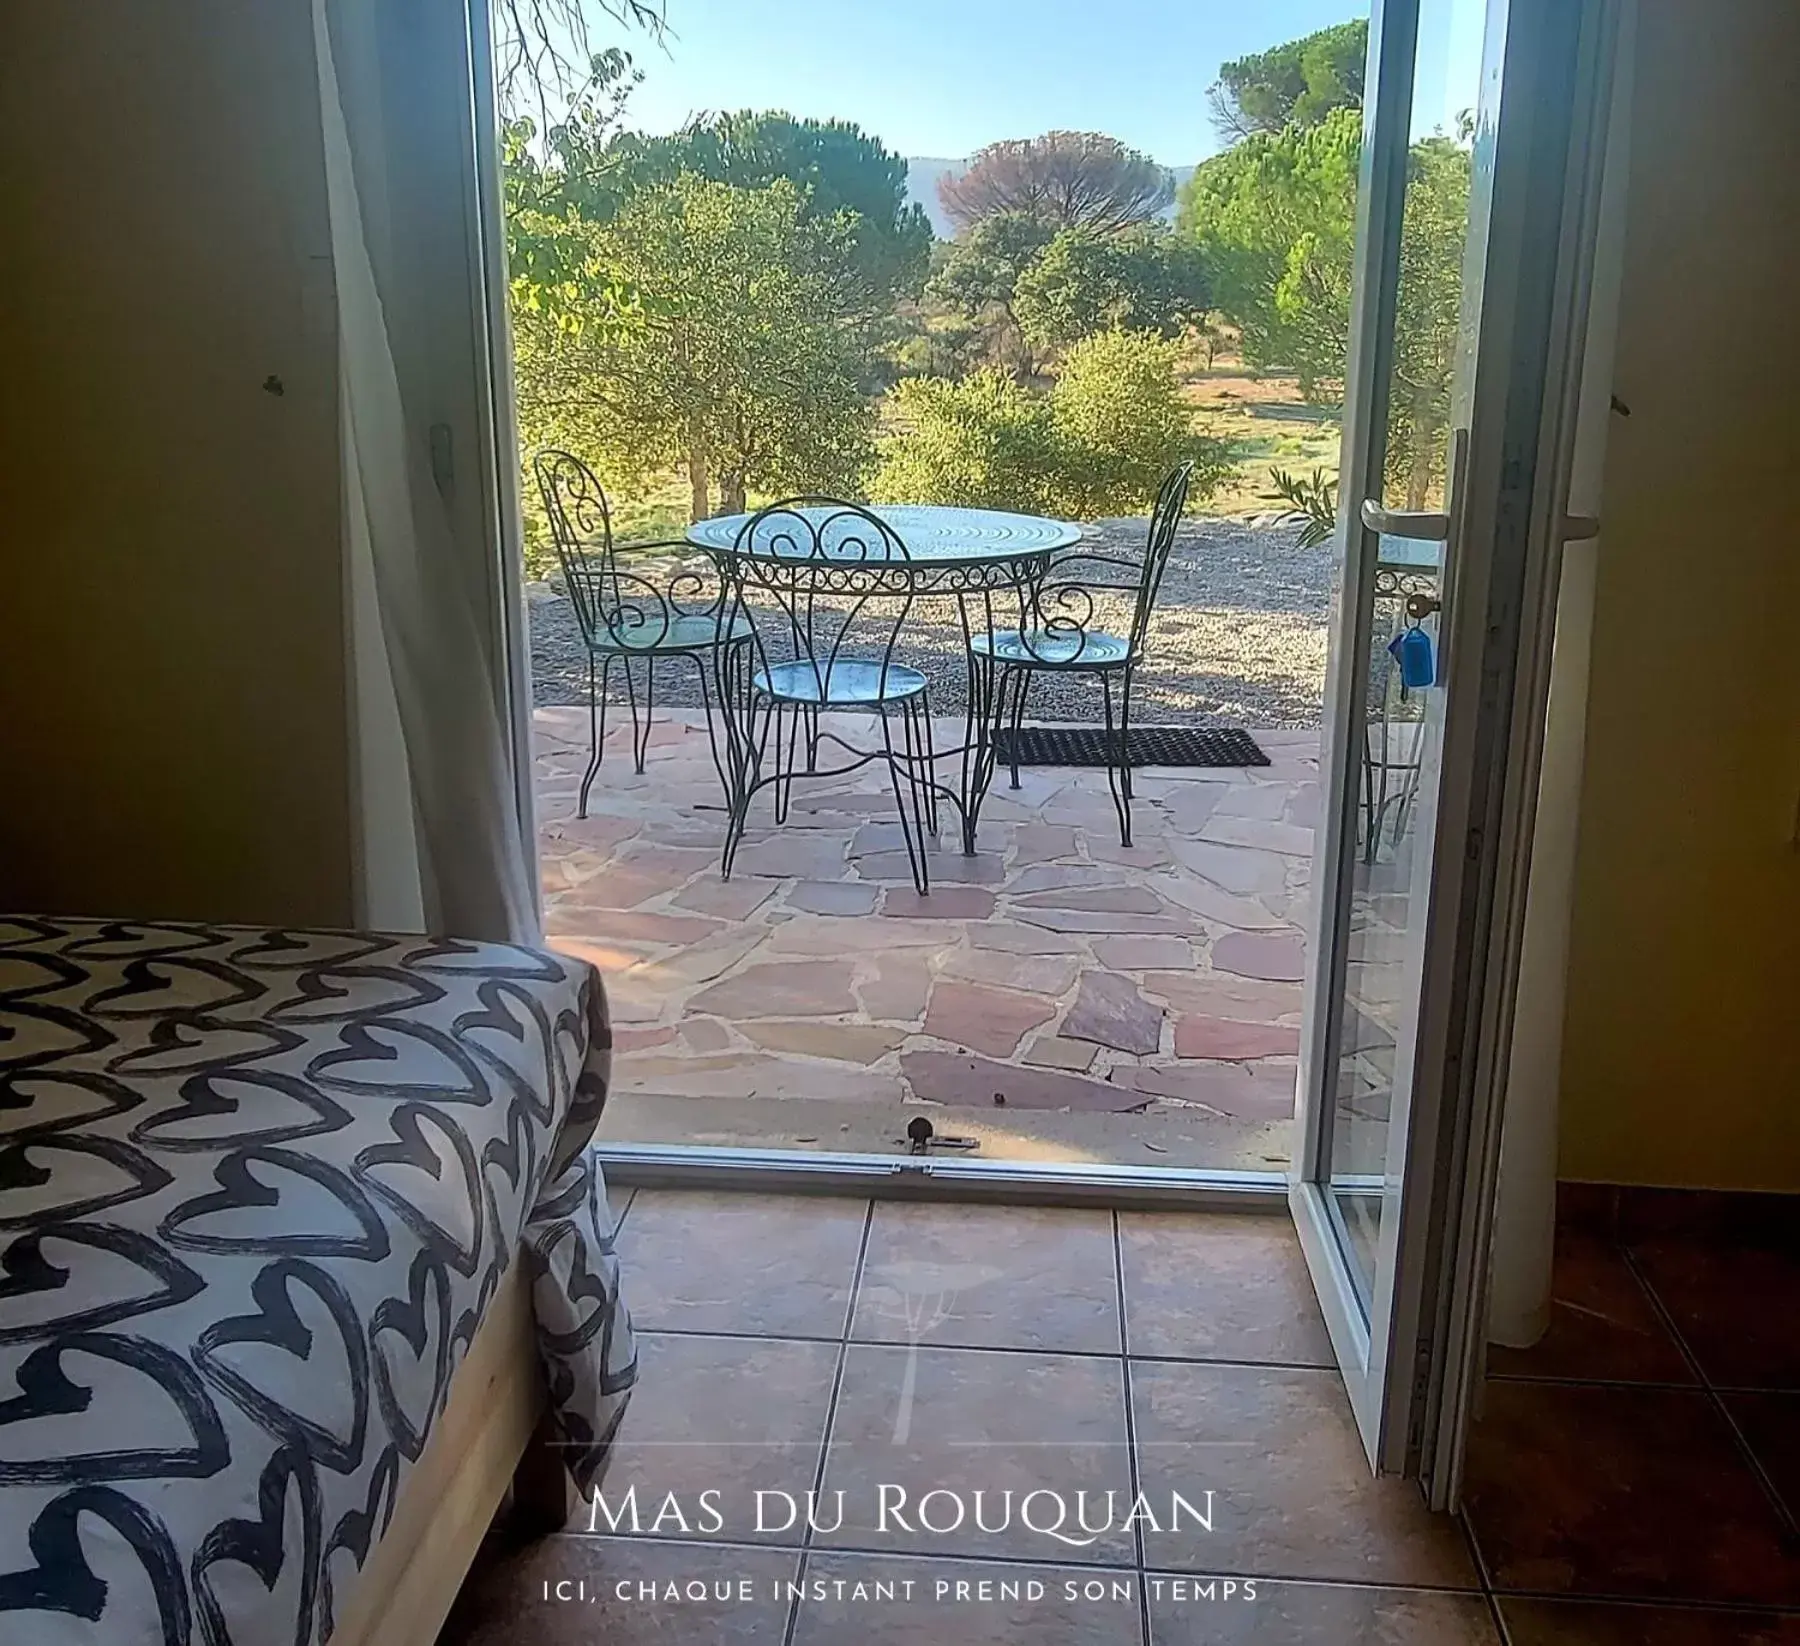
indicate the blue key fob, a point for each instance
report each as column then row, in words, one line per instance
column 1411, row 649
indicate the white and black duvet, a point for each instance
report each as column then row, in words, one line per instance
column 257, row 1189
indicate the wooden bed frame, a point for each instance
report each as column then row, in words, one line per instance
column 482, row 1444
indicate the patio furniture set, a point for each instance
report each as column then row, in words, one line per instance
column 803, row 622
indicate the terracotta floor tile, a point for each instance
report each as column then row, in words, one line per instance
column 947, row 1605
column 992, row 1277
column 504, row 1602
column 704, row 1262
column 1315, row 1614
column 1292, row 1492
column 1586, row 1623
column 1738, row 1307
column 1602, row 1324
column 1219, row 1286
column 731, row 1414
column 963, row 1420
column 1622, row 1492
column 1771, row 1425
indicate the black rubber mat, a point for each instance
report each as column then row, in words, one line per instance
column 1147, row 745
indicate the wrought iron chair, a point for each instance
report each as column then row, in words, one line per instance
column 1057, row 632
column 624, row 616
column 824, row 588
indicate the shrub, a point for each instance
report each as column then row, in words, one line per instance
column 1099, row 443
column 983, row 442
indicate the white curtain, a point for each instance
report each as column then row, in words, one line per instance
column 446, row 842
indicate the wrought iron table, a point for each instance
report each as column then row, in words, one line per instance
column 983, row 558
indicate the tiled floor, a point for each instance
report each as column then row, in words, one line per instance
column 1138, row 1006
column 1616, row 1497
column 1649, row 1446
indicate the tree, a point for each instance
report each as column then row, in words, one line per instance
column 1297, row 84
column 1100, row 442
column 1071, row 179
column 746, row 357
column 980, row 277
column 838, row 168
column 1274, row 220
column 1083, row 283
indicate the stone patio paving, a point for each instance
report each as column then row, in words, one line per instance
column 1056, row 997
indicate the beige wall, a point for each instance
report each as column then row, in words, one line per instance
column 1682, row 1052
column 172, row 669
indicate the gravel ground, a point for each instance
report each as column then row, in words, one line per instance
column 1238, row 639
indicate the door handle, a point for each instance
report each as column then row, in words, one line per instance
column 1576, row 527
column 1427, row 528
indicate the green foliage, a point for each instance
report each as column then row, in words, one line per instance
column 1311, row 502
column 1274, row 222
column 553, row 193
column 1123, row 425
column 837, row 166
column 978, row 280
column 1083, row 283
column 1099, row 443
column 982, row 442
column 1297, row 84
column 747, row 360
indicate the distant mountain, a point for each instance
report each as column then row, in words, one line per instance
column 923, row 172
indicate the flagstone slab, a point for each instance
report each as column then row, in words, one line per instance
column 833, row 936
column 726, row 899
column 1220, row 994
column 897, row 987
column 757, row 1074
column 1215, row 903
column 613, row 887
column 1010, row 938
column 1275, row 956
column 1052, row 1051
column 635, row 928
column 1284, row 838
column 1044, row 877
column 1266, row 802
column 833, row 897
column 795, row 988
column 983, row 869
column 627, row 1041
column 980, row 1018
column 844, row 1042
column 1140, row 854
column 1110, row 1011
column 940, row 903
column 1230, row 1039
column 1043, row 843
column 1052, row 975
column 1239, row 869
column 1071, row 921
column 1141, row 954
column 704, row 1034
column 1234, row 1089
column 701, row 962
column 1102, row 899
column 1187, row 806
column 961, row 1081
column 812, row 856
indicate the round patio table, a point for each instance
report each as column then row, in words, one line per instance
column 974, row 555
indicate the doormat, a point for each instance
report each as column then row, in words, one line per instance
column 1146, row 745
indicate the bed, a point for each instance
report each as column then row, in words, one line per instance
column 300, row 1244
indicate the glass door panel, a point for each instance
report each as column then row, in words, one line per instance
column 1466, row 318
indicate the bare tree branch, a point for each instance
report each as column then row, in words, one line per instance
column 543, row 49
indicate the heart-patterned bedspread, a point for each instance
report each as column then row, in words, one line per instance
column 257, row 1189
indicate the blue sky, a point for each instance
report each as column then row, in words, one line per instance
column 943, row 77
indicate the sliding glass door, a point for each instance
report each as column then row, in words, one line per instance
column 1474, row 231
